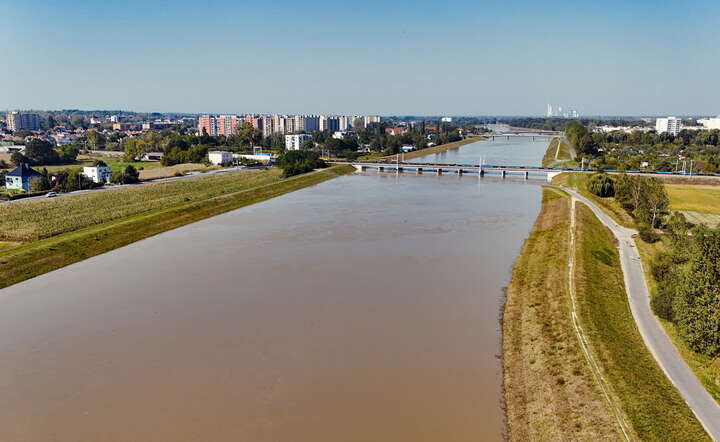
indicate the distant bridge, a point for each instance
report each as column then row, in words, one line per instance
column 481, row 170
column 460, row 169
column 532, row 136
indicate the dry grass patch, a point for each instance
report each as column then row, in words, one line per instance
column 550, row 393
column 696, row 198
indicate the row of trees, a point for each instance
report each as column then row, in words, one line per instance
column 688, row 276
column 644, row 198
column 295, row 162
column 38, row 151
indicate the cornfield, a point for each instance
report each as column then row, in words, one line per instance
column 37, row 219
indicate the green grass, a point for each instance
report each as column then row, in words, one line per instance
column 37, row 219
column 37, row 257
column 115, row 164
column 563, row 156
column 653, row 406
column 610, row 205
column 550, row 391
column 696, row 198
column 706, row 369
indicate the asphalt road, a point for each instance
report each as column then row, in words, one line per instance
column 690, row 388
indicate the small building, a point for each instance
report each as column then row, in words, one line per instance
column 220, row 157
column 342, row 134
column 151, row 156
column 294, row 142
column 21, row 177
column 99, row 174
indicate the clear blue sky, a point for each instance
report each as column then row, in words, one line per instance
column 388, row 57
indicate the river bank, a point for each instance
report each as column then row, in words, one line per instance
column 65, row 238
column 434, row 149
column 628, row 393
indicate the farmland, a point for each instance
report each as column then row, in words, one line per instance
column 50, row 234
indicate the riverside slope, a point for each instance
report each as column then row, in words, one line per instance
column 690, row 388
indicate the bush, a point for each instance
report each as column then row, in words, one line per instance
column 662, row 302
column 295, row 162
column 648, row 235
column 601, row 185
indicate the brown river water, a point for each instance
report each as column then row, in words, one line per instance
column 361, row 309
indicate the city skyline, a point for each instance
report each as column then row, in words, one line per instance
column 404, row 58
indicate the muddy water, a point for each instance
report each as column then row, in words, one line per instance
column 362, row 309
column 517, row 151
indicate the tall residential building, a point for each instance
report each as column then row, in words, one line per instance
column 312, row 123
column 22, row 121
column 345, row 122
column 672, row 125
column 228, row 125
column 294, row 142
column 550, row 112
column 207, row 124
column 330, row 123
column 369, row 119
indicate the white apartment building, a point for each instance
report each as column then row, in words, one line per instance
column 220, row 157
column 22, row 121
column 369, row 119
column 710, row 123
column 99, row 174
column 672, row 125
column 446, row 119
column 294, row 142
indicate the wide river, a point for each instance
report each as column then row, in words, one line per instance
column 362, row 309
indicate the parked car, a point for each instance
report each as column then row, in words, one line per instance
column 51, row 195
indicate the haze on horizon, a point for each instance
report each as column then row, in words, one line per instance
column 408, row 57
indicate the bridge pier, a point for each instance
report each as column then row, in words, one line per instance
column 527, row 174
column 418, row 170
column 460, row 172
column 504, row 172
column 399, row 170
column 481, row 172
column 363, row 168
column 439, row 171
column 381, row 169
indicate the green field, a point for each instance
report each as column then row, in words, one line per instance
column 564, row 159
column 653, row 406
column 696, row 198
column 61, row 231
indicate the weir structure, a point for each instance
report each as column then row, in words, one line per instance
column 480, row 170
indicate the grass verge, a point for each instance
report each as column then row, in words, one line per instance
column 550, row 392
column 38, row 257
column 435, row 149
column 654, row 407
column 558, row 158
column 610, row 205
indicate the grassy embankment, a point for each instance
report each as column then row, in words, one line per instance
column 653, row 406
column 701, row 204
column 558, row 155
column 432, row 150
column 149, row 170
column 550, row 391
column 578, row 181
column 43, row 235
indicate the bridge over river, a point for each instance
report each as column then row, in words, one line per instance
column 481, row 170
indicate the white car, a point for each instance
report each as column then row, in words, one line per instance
column 51, row 195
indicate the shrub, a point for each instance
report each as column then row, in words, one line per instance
column 662, row 302
column 601, row 185
column 295, row 162
column 648, row 235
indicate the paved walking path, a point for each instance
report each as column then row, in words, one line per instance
column 698, row 399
